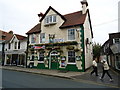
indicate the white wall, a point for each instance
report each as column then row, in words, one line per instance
column 23, row 44
column 88, row 49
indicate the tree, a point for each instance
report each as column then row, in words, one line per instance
column 96, row 50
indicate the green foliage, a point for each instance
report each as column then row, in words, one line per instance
column 96, row 50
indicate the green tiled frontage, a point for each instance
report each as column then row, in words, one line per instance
column 41, row 66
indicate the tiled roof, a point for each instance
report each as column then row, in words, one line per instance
column 20, row 37
column 74, row 19
column 35, row 29
column 5, row 35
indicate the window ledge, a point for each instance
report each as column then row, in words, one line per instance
column 71, row 63
column 53, row 23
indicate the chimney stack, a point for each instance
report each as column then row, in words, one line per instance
column 40, row 15
column 84, row 6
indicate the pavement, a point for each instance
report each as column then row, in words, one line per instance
column 77, row 76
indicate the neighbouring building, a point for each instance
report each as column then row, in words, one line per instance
column 62, row 42
column 15, row 50
column 4, row 36
column 111, row 50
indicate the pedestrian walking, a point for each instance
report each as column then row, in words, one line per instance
column 95, row 70
column 105, row 70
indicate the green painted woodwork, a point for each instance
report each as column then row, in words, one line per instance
column 41, row 66
column 72, row 67
column 54, row 65
column 82, row 45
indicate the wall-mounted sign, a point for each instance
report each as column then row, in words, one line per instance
column 63, row 58
column 58, row 40
column 62, row 63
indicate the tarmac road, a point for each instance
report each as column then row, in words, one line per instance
column 14, row 79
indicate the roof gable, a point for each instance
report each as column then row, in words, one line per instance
column 18, row 37
column 54, row 11
column 35, row 29
column 7, row 36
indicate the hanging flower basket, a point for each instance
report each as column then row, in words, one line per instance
column 70, row 47
column 59, row 50
column 76, row 50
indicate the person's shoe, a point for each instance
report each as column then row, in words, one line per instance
column 111, row 80
column 100, row 78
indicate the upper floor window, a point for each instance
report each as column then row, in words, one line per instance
column 71, row 56
column 33, row 38
column 42, row 38
column 15, row 46
column 116, row 40
column 50, row 19
column 18, row 45
column 71, row 34
column 9, row 46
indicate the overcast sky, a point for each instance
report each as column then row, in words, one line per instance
column 21, row 15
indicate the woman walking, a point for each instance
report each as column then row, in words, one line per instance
column 95, row 70
column 105, row 70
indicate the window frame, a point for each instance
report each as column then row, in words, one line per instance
column 42, row 40
column 41, row 55
column 116, row 40
column 15, row 45
column 50, row 19
column 32, row 38
column 74, row 37
column 69, row 56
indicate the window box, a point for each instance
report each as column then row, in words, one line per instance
column 76, row 50
column 70, row 48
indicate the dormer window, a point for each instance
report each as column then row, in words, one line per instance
column 51, row 19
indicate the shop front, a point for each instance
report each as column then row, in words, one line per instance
column 68, row 57
column 16, row 58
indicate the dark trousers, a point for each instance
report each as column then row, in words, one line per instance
column 94, row 71
column 106, row 71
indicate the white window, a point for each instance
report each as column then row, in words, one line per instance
column 71, row 56
column 15, row 46
column 71, row 34
column 116, row 40
column 33, row 38
column 50, row 19
column 42, row 38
